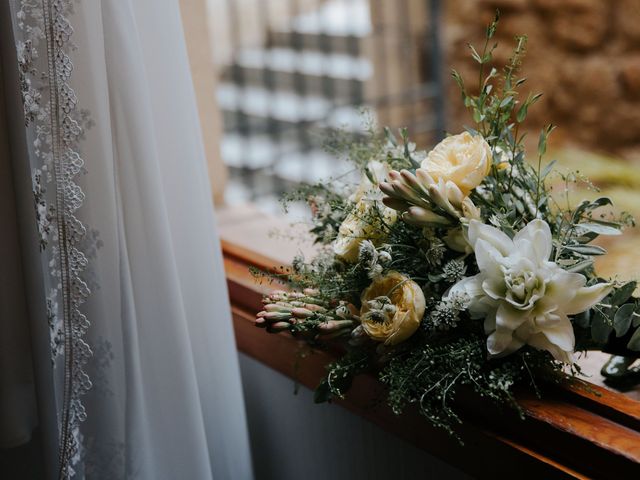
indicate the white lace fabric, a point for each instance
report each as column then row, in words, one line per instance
column 166, row 400
column 54, row 126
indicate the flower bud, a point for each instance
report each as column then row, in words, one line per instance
column 278, row 327
column 274, row 316
column 333, row 325
column 277, row 307
column 309, row 306
column 384, row 257
column 420, row 216
column 302, row 312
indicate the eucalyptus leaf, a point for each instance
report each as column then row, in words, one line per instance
column 622, row 319
column 634, row 342
column 600, row 328
column 583, row 319
column 622, row 294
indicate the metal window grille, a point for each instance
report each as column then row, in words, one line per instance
column 297, row 68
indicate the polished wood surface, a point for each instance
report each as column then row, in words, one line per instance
column 578, row 430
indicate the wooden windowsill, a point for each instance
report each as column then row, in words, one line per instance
column 572, row 432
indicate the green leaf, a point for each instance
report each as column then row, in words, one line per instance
column 634, row 342
column 547, row 169
column 601, row 202
column 474, row 54
column 492, row 27
column 622, row 319
column 580, row 266
column 390, row 136
column 586, row 237
column 600, row 328
column 506, row 101
column 622, row 294
column 542, row 141
column 522, row 113
column 586, row 249
column 583, row 319
column 458, row 78
column 600, row 229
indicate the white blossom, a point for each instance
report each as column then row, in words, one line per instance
column 523, row 296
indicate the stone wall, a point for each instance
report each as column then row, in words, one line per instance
column 584, row 55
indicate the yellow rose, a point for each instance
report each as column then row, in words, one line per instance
column 363, row 223
column 463, row 159
column 392, row 308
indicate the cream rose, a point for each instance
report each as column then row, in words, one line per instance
column 392, row 308
column 463, row 159
column 364, row 223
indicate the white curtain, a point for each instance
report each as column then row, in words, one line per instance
column 166, row 400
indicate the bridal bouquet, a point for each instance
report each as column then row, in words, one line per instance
column 461, row 266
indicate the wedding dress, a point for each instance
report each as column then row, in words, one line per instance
column 166, row 399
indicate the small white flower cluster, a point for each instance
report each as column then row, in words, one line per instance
column 454, row 270
column 446, row 313
column 373, row 260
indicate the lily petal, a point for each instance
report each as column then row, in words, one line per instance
column 499, row 341
column 587, row 297
column 561, row 333
column 489, row 259
column 541, row 342
column 472, row 286
column 538, row 233
column 509, row 317
column 502, row 342
column 499, row 240
column 561, row 289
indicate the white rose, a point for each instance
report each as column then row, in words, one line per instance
column 523, row 296
column 463, row 159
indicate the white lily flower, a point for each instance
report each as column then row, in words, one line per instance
column 523, row 296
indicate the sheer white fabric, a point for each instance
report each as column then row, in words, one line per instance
column 166, row 401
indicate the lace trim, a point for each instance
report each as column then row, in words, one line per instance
column 53, row 119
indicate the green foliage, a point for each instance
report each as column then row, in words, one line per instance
column 618, row 314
